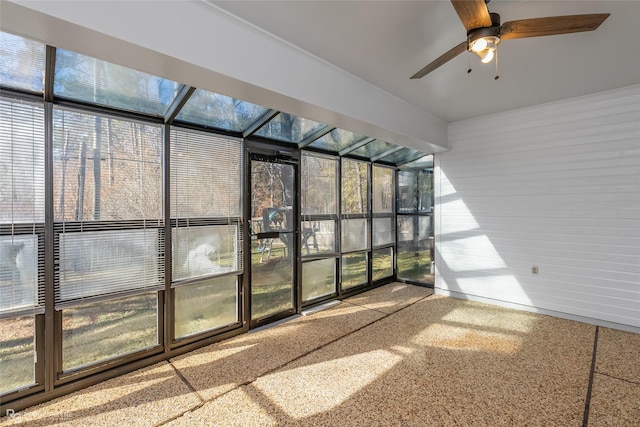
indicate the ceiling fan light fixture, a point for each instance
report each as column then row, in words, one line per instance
column 486, row 56
column 478, row 45
column 485, row 47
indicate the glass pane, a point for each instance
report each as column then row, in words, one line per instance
column 21, row 163
column 354, row 270
column 203, row 251
column 206, row 305
column 100, row 262
column 288, row 128
column 21, row 63
column 372, row 149
column 271, row 276
column 272, row 196
column 106, row 329
column 318, row 237
column 318, row 278
column 337, row 140
column 422, row 162
column 106, row 168
column 425, row 191
column 18, row 272
column 415, row 248
column 408, row 191
column 401, row 156
column 383, row 189
column 219, row 111
column 382, row 263
column 206, row 175
column 92, row 80
column 355, row 187
column 354, row 234
column 319, row 189
column 17, row 349
column 383, row 231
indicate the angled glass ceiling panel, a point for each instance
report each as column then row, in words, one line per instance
column 288, row 128
column 91, row 80
column 422, row 162
column 21, row 63
column 401, row 156
column 337, row 140
column 220, row 111
column 372, row 149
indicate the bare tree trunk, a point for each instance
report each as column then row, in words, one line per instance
column 81, row 179
column 358, row 186
column 110, row 149
column 63, row 180
column 97, row 164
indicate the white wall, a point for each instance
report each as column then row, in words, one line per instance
column 555, row 186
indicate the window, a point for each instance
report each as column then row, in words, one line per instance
column 319, row 209
column 102, row 330
column 354, row 234
column 415, row 225
column 21, row 239
column 107, row 190
column 206, row 212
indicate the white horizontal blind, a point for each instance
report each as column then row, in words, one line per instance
column 107, row 206
column 206, row 204
column 555, row 186
column 21, row 205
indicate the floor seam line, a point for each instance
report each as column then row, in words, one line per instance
column 587, row 403
column 247, row 383
column 385, row 315
column 186, row 382
column 618, row 378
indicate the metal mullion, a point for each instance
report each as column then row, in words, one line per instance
column 49, row 73
column 315, row 135
column 52, row 328
column 355, row 146
column 103, row 110
column 226, row 133
column 181, row 98
column 10, row 93
column 259, row 122
column 168, row 294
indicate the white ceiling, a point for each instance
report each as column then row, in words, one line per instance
column 385, row 42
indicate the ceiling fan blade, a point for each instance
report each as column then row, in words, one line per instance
column 441, row 61
column 473, row 13
column 550, row 26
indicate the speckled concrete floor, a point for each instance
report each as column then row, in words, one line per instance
column 394, row 356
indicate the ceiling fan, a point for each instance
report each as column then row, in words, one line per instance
column 484, row 31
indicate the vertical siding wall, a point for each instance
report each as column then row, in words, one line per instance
column 555, row 186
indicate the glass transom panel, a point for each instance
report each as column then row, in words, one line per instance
column 373, row 148
column 401, row 156
column 337, row 140
column 220, row 111
column 288, row 128
column 21, row 63
column 99, row 82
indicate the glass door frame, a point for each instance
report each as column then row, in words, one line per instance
column 288, row 155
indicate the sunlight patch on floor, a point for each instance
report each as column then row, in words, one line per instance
column 459, row 338
column 292, row 389
column 516, row 322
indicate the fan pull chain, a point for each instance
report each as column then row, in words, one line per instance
column 468, row 54
column 497, row 75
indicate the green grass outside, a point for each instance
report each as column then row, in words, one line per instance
column 17, row 367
